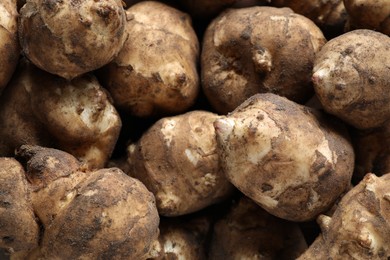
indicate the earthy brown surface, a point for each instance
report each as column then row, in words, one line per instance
column 155, row 73
column 19, row 230
column 369, row 14
column 69, row 38
column 360, row 226
column 351, row 78
column 75, row 116
column 177, row 160
column 9, row 44
column 289, row 159
column 256, row 50
column 249, row 232
column 89, row 215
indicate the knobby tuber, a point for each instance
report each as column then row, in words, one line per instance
column 351, row 78
column 70, row 38
column 360, row 226
column 88, row 214
column 291, row 160
column 177, row 160
column 256, row 50
column 76, row 116
column 155, row 72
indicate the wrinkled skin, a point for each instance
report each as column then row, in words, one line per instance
column 369, row 14
column 19, row 230
column 241, row 55
column 351, row 78
column 291, row 160
column 360, row 226
column 9, row 44
column 177, row 160
column 249, row 232
column 43, row 109
column 70, row 38
column 89, row 214
column 155, row 72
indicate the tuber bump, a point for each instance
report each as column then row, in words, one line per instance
column 351, row 78
column 70, row 38
column 360, row 226
column 88, row 214
column 177, row 160
column 291, row 160
column 76, row 116
column 256, row 50
column 155, row 72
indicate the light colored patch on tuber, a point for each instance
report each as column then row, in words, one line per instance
column 289, row 159
column 360, row 226
column 351, row 78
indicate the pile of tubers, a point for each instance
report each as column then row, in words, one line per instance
column 211, row 129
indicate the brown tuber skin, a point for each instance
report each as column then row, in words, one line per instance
column 249, row 232
column 70, row 38
column 184, row 237
column 177, row 160
column 360, row 226
column 351, row 78
column 292, row 161
column 368, row 14
column 89, row 215
column 19, row 230
column 43, row 109
column 372, row 149
column 155, row 72
column 9, row 45
column 328, row 15
column 242, row 56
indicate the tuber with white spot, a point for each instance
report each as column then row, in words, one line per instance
column 102, row 214
column 291, row 160
column 257, row 50
column 177, row 160
column 351, row 78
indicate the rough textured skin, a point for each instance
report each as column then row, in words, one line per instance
column 289, row 159
column 70, row 38
column 19, row 230
column 183, row 238
column 369, row 14
column 9, row 45
column 256, row 50
column 249, row 232
column 155, row 72
column 372, row 149
column 351, row 78
column 325, row 13
column 105, row 214
column 177, row 160
column 75, row 116
column 360, row 226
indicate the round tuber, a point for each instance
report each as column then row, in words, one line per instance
column 155, row 73
column 101, row 214
column 351, row 78
column 257, row 50
column 69, row 38
column 292, row 161
column 177, row 160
